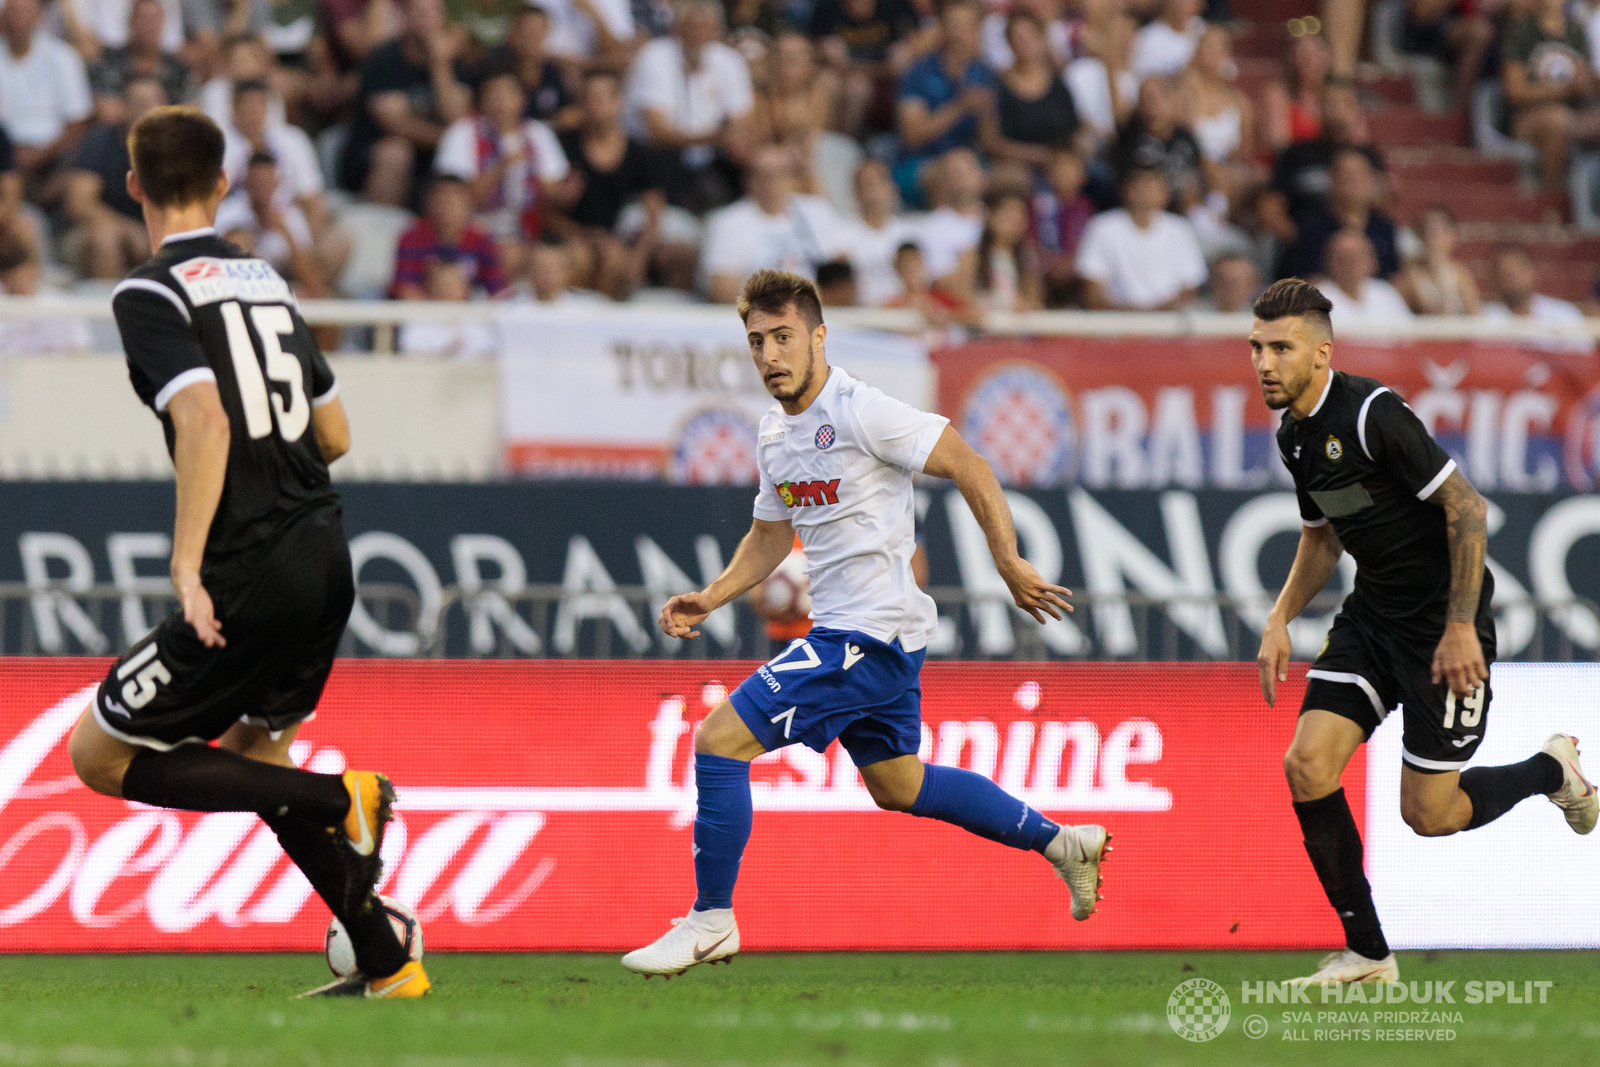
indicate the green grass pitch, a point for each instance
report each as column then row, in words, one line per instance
column 577, row 1010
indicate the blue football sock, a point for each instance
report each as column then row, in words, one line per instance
column 721, row 827
column 978, row 806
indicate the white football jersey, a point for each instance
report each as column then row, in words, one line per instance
column 840, row 472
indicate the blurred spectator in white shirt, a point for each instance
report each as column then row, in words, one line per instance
column 953, row 228
column 1165, row 46
column 1140, row 257
column 690, row 95
column 590, row 31
column 105, row 22
column 1104, row 90
column 773, row 226
column 1514, row 279
column 47, row 335
column 258, row 220
column 45, row 101
column 246, row 59
column 1353, row 286
column 250, row 130
column 870, row 241
column 514, row 166
column 299, row 175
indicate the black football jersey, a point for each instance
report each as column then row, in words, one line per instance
column 202, row 310
column 1363, row 461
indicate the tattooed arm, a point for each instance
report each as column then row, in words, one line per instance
column 1459, row 657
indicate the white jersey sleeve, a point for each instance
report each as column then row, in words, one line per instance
column 897, row 433
column 769, row 506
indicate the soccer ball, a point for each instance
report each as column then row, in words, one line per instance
column 342, row 953
column 786, row 594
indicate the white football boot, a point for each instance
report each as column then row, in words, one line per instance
column 1576, row 798
column 699, row 937
column 1348, row 967
column 1076, row 854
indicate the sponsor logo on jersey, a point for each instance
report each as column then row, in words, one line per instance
column 1334, row 448
column 207, row 280
column 805, row 494
column 825, row 437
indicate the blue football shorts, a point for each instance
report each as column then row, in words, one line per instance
column 837, row 684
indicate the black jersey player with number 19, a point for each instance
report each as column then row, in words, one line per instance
column 217, row 349
column 1417, row 629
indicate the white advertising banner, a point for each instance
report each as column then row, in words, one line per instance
column 1524, row 880
column 597, row 391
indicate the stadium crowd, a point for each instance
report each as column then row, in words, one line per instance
column 960, row 159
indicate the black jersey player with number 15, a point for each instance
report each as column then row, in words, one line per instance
column 1416, row 630
column 217, row 349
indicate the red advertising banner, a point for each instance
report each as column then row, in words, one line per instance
column 1155, row 412
column 547, row 805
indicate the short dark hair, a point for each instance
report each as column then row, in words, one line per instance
column 496, row 70
column 835, row 272
column 176, row 153
column 773, row 291
column 906, row 248
column 1294, row 298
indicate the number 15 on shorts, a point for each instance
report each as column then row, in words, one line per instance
column 1471, row 707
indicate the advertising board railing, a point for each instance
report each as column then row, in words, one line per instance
column 547, row 805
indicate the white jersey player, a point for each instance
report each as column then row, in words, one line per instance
column 837, row 459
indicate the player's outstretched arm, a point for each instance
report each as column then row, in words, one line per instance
column 1459, row 658
column 1314, row 563
column 200, row 454
column 760, row 551
column 953, row 458
column 332, row 427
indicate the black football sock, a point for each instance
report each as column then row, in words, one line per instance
column 1334, row 844
column 1496, row 790
column 203, row 778
column 317, row 853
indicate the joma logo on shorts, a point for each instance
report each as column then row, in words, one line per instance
column 800, row 494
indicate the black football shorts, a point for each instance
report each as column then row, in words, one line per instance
column 282, row 620
column 1366, row 670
